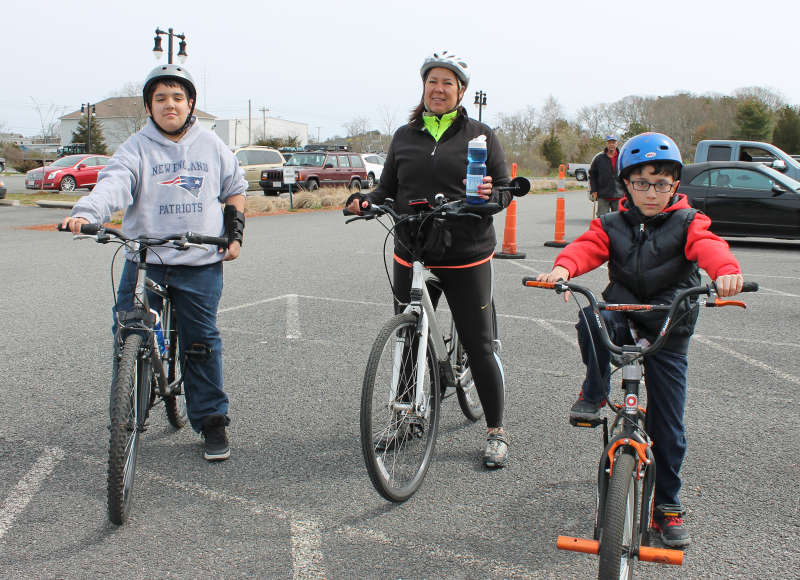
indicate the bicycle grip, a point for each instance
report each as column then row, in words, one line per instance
column 750, row 287
column 88, row 229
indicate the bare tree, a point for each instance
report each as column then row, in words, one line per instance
column 357, row 130
column 773, row 100
column 552, row 112
column 388, row 120
column 49, row 118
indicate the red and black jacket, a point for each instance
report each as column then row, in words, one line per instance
column 651, row 259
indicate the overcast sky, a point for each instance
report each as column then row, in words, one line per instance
column 326, row 63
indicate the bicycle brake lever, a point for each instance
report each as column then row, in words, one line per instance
column 719, row 303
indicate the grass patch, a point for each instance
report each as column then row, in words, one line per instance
column 31, row 198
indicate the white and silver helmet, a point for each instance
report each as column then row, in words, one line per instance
column 449, row 61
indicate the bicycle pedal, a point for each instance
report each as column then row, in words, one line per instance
column 587, row 423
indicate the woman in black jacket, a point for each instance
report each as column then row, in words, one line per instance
column 429, row 156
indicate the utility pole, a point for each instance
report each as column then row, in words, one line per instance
column 89, row 113
column 264, row 111
column 249, row 122
column 318, row 135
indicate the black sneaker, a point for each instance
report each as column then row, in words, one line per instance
column 216, row 445
column 585, row 413
column 668, row 522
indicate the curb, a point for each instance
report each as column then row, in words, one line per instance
column 14, row 202
column 46, row 203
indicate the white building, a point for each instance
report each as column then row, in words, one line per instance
column 119, row 118
column 238, row 132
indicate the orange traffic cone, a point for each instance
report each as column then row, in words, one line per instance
column 510, row 231
column 558, row 239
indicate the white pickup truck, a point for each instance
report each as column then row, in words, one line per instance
column 754, row 151
column 579, row 170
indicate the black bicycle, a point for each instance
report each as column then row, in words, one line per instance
column 148, row 361
column 626, row 473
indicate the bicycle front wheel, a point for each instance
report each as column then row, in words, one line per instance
column 618, row 534
column 130, row 401
column 467, row 392
column 398, row 429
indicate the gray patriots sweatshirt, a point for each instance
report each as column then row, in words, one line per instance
column 165, row 188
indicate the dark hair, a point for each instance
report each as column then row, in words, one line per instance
column 659, row 168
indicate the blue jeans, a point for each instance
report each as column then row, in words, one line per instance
column 195, row 292
column 665, row 374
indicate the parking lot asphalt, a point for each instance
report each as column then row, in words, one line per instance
column 300, row 309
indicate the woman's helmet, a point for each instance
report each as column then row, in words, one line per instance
column 170, row 72
column 449, row 61
column 647, row 148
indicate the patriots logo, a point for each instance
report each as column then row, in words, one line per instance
column 190, row 183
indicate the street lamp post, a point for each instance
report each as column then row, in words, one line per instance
column 158, row 51
column 480, row 100
column 88, row 108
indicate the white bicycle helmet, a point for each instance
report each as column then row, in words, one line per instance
column 449, row 61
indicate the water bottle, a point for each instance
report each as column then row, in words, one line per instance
column 159, row 334
column 476, row 168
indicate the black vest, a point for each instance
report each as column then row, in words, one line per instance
column 647, row 265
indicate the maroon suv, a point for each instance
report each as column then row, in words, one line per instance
column 316, row 169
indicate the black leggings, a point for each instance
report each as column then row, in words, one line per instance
column 469, row 294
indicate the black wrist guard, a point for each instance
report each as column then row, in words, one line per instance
column 234, row 224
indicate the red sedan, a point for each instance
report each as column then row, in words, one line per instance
column 68, row 173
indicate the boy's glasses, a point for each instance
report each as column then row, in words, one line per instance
column 660, row 187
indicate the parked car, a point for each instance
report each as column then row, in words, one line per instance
column 316, row 169
column 579, row 170
column 254, row 159
column 373, row 163
column 2, row 190
column 744, row 198
column 68, row 173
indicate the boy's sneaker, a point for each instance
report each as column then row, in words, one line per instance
column 585, row 413
column 496, row 451
column 216, row 444
column 668, row 522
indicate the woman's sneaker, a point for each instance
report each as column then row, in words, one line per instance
column 496, row 450
column 668, row 522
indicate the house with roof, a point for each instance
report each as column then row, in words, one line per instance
column 119, row 117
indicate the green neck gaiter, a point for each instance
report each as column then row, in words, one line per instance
column 435, row 125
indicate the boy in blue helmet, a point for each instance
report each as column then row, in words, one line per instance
column 653, row 247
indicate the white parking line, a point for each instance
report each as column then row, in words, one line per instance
column 292, row 318
column 749, row 360
column 306, row 550
column 27, row 487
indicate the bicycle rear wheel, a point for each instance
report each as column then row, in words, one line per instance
column 130, row 402
column 174, row 405
column 620, row 522
column 467, row 393
column 397, row 436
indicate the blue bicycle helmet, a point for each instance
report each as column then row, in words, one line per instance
column 647, row 148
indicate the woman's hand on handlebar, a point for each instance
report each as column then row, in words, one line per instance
column 356, row 202
column 729, row 284
column 73, row 224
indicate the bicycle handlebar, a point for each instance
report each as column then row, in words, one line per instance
column 563, row 286
column 189, row 237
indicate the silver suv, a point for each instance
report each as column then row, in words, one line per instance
column 254, row 159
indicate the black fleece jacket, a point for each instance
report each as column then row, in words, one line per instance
column 417, row 167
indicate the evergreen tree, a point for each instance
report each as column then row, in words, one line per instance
column 551, row 150
column 753, row 120
column 787, row 131
column 94, row 142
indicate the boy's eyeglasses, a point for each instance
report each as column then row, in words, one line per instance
column 660, row 187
